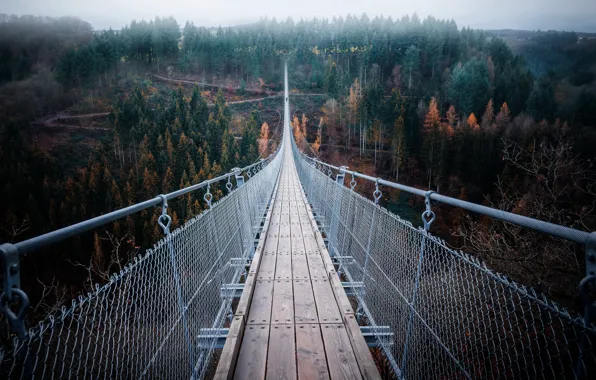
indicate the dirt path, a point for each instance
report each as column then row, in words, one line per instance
column 54, row 121
column 196, row 83
column 254, row 90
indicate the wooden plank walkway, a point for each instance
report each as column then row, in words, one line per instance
column 294, row 320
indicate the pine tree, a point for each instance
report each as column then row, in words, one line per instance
column 168, row 181
column 331, row 79
column 411, row 64
column 226, row 150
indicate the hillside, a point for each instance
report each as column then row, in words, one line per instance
column 92, row 123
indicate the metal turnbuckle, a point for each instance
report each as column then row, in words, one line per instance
column 377, row 194
column 428, row 216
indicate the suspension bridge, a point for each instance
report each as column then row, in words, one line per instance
column 294, row 275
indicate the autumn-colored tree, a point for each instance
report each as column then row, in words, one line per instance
column 473, row 122
column 295, row 123
column 149, row 184
column 432, row 122
column 451, row 116
column 303, row 124
column 331, row 110
column 264, row 140
column 502, row 118
column 354, row 101
column 489, row 115
column 316, row 146
column 169, row 148
column 114, row 196
column 168, row 181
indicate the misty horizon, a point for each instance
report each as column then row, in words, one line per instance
column 574, row 15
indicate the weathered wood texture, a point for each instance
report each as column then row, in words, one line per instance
column 299, row 324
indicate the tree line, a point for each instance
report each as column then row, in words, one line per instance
column 441, row 107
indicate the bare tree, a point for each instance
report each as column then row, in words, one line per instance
column 99, row 269
column 545, row 181
column 53, row 297
column 14, row 227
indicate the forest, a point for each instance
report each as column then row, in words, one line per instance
column 463, row 112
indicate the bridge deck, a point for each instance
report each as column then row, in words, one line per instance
column 294, row 319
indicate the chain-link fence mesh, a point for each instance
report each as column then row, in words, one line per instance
column 146, row 321
column 450, row 315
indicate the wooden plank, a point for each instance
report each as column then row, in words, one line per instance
column 316, row 268
column 368, row 368
column 299, row 267
column 305, row 310
column 246, row 296
column 310, row 243
column 267, row 268
column 260, row 308
column 340, row 295
column 339, row 352
column 283, row 302
column 229, row 354
column 284, row 245
column 284, row 228
column 283, row 268
column 249, row 284
column 252, row 359
column 327, row 308
column 310, row 355
column 281, row 358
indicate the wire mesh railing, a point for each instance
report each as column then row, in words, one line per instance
column 450, row 315
column 146, row 320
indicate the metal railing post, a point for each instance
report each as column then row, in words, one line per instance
column 165, row 222
column 428, row 216
column 12, row 283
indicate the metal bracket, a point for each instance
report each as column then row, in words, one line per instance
column 164, row 220
column 341, row 175
column 240, row 262
column 212, row 338
column 377, row 194
column 343, row 260
column 374, row 336
column 377, row 336
column 239, row 177
column 12, row 284
column 12, row 269
column 231, row 290
column 353, row 288
column 428, row 216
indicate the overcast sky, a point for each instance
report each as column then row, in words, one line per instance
column 578, row 15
